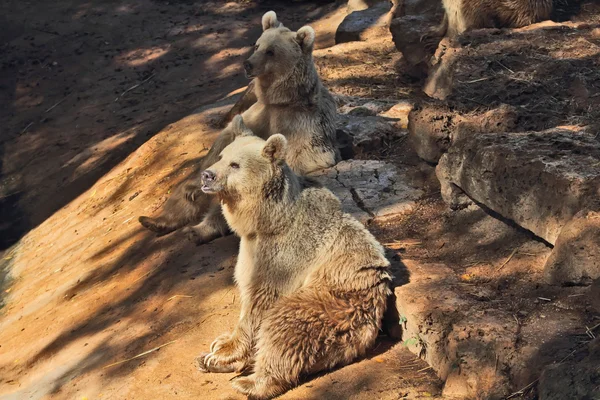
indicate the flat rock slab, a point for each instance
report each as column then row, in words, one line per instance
column 364, row 24
column 370, row 189
column 539, row 180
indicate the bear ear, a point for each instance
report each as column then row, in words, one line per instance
column 239, row 128
column 306, row 38
column 269, row 20
column 275, row 148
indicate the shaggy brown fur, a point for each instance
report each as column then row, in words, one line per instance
column 464, row 15
column 313, row 281
column 287, row 97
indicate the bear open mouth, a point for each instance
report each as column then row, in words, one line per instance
column 209, row 189
column 250, row 75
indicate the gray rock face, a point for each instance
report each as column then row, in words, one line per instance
column 366, row 133
column 575, row 259
column 370, row 189
column 539, row 180
column 364, row 24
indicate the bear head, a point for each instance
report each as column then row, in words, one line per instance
column 278, row 50
column 245, row 165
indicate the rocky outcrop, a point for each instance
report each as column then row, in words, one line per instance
column 539, row 180
column 575, row 259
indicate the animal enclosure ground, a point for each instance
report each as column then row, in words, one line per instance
column 100, row 120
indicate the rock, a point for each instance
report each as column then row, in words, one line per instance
column 370, row 189
column 399, row 112
column 461, row 342
column 492, row 67
column 575, row 259
column 539, row 180
column 432, row 126
column 440, row 80
column 363, row 24
column 576, row 378
column 430, row 129
column 367, row 133
column 370, row 107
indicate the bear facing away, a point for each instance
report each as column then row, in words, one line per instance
column 291, row 100
column 465, row 15
column 313, row 280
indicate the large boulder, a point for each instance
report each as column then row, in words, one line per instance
column 487, row 68
column 539, row 180
column 367, row 133
column 575, row 259
column 462, row 340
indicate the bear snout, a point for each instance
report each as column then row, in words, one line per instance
column 208, row 176
column 248, row 66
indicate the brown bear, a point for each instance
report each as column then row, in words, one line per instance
column 291, row 100
column 464, row 15
column 313, row 280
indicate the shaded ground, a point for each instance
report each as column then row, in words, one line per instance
column 85, row 84
column 84, row 152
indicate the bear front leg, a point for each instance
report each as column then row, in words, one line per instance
column 432, row 38
column 186, row 205
column 234, row 351
column 212, row 227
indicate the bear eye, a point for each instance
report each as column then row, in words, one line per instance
column 255, row 47
column 270, row 53
column 234, row 165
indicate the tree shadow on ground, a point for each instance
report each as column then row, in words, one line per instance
column 87, row 84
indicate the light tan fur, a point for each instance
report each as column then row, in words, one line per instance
column 313, row 280
column 290, row 99
column 464, row 15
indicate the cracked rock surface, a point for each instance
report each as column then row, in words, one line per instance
column 370, row 189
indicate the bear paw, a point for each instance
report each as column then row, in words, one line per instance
column 197, row 235
column 257, row 388
column 157, row 225
column 192, row 192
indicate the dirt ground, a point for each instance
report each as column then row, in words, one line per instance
column 101, row 116
column 98, row 119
